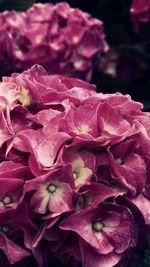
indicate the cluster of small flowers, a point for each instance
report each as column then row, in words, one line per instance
column 62, row 39
column 140, row 13
column 74, row 172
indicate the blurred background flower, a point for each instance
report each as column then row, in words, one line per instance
column 62, row 39
column 140, row 13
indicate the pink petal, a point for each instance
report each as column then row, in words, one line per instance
column 12, row 250
column 91, row 258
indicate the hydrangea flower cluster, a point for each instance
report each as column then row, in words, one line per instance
column 74, row 172
column 140, row 13
column 60, row 38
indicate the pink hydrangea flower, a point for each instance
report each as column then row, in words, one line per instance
column 109, row 230
column 53, row 191
column 12, row 225
column 74, row 171
column 64, row 40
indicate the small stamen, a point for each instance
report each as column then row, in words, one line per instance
column 5, row 228
column 97, row 226
column 51, row 188
column 7, row 200
column 82, row 202
column 120, row 161
column 78, row 63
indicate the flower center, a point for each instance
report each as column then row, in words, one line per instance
column 82, row 202
column 78, row 63
column 7, row 200
column 51, row 188
column 120, row 161
column 25, row 98
column 75, row 39
column 97, row 226
column 84, row 128
column 4, row 228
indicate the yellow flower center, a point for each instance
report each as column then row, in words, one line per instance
column 25, row 98
column 51, row 188
column 7, row 200
column 120, row 161
column 97, row 226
